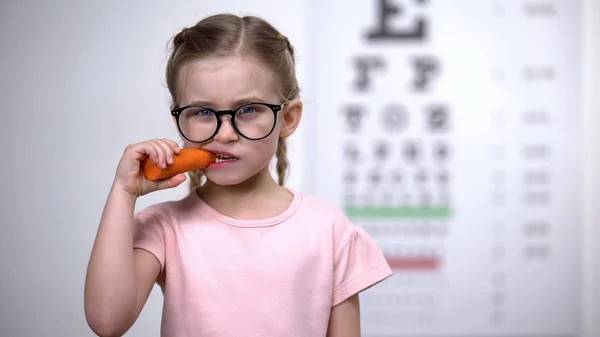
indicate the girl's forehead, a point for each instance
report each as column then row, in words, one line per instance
column 222, row 81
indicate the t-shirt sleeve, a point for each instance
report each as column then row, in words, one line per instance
column 148, row 234
column 358, row 263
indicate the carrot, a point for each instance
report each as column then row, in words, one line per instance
column 188, row 159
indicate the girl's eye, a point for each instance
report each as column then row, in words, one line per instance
column 194, row 113
column 203, row 112
column 248, row 109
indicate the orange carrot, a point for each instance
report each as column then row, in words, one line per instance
column 188, row 159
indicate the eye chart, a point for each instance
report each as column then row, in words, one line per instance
column 449, row 130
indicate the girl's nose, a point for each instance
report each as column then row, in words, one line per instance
column 226, row 132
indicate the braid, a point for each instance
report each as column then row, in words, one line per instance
column 181, row 37
column 289, row 46
column 281, row 153
column 195, row 179
column 282, row 160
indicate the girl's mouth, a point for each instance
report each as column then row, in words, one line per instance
column 223, row 158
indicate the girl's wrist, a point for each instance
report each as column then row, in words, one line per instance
column 122, row 194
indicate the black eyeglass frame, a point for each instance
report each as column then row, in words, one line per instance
column 275, row 108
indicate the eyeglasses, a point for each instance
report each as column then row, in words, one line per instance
column 252, row 121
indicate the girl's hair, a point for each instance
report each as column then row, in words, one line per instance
column 228, row 35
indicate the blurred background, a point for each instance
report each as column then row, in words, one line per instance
column 462, row 135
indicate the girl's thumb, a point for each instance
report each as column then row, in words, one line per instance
column 174, row 181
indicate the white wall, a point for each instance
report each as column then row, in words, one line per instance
column 72, row 72
column 591, row 103
column 79, row 81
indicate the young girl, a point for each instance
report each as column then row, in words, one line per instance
column 240, row 255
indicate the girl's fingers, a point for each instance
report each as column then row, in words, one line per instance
column 161, row 155
column 143, row 150
column 168, row 150
column 174, row 181
column 173, row 145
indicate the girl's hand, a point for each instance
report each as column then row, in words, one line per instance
column 129, row 176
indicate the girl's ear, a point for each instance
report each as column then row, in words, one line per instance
column 291, row 115
column 171, row 109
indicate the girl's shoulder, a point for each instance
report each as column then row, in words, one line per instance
column 324, row 212
column 167, row 210
column 320, row 203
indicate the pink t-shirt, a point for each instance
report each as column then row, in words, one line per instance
column 274, row 277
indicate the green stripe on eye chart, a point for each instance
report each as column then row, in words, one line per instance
column 399, row 212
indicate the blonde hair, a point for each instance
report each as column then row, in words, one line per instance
column 227, row 35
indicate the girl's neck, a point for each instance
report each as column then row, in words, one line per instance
column 258, row 197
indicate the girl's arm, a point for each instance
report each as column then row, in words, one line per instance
column 119, row 279
column 345, row 319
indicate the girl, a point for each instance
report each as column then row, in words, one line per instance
column 240, row 255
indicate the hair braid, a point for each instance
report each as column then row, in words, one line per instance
column 195, row 179
column 282, row 160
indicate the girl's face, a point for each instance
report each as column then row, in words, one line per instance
column 226, row 84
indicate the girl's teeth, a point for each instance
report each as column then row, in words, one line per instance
column 222, row 158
